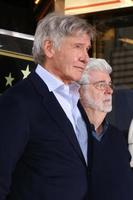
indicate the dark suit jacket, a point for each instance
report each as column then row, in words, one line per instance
column 112, row 177
column 40, row 158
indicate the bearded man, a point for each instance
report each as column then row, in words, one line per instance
column 111, row 174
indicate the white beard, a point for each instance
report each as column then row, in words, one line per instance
column 99, row 104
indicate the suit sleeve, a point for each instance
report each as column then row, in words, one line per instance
column 13, row 138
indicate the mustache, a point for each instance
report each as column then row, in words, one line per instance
column 109, row 98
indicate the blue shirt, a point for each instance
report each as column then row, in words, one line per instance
column 67, row 96
column 100, row 135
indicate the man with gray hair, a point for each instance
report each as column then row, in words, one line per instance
column 111, row 175
column 41, row 156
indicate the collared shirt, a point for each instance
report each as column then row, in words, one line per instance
column 100, row 135
column 67, row 96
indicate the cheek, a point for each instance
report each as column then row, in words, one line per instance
column 75, row 56
column 96, row 95
column 71, row 56
column 98, row 98
column 61, row 59
column 65, row 59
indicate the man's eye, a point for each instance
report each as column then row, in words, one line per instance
column 78, row 46
column 102, row 84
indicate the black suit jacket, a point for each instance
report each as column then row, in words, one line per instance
column 112, row 176
column 40, row 158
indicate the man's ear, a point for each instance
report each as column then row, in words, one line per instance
column 48, row 48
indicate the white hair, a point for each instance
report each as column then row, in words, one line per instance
column 95, row 64
column 56, row 26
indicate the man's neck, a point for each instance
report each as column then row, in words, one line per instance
column 96, row 118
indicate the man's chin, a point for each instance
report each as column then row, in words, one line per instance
column 108, row 109
column 105, row 109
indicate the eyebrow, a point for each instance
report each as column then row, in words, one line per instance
column 102, row 81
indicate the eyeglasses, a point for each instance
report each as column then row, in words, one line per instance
column 101, row 85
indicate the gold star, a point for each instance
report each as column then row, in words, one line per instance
column 9, row 79
column 26, row 72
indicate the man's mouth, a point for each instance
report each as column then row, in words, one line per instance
column 80, row 68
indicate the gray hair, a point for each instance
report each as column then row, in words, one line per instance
column 94, row 64
column 55, row 27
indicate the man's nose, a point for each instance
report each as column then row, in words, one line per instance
column 85, row 57
column 109, row 89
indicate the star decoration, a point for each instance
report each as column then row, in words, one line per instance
column 9, row 79
column 26, row 72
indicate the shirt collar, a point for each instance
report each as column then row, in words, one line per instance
column 51, row 81
column 105, row 127
column 54, row 83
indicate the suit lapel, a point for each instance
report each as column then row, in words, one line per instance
column 56, row 112
column 90, row 137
